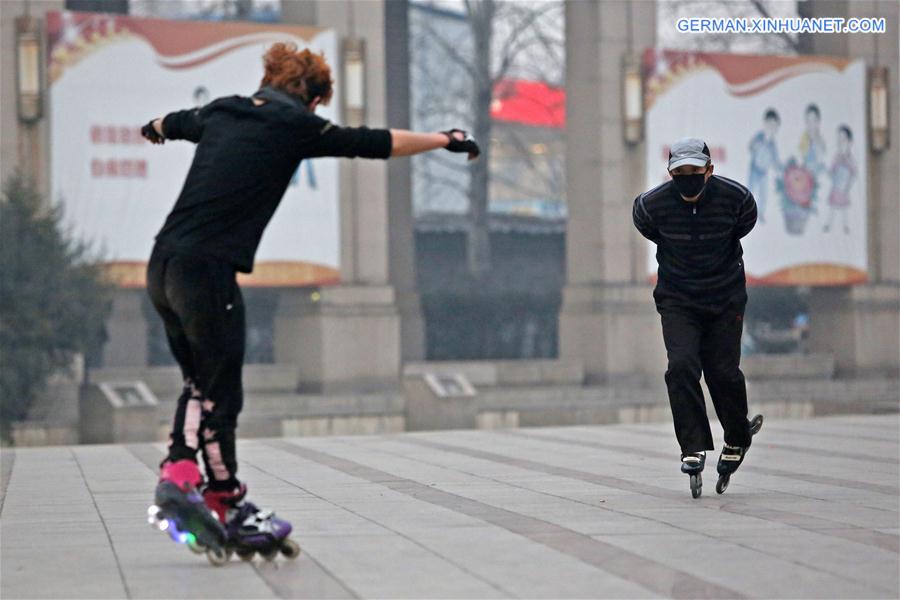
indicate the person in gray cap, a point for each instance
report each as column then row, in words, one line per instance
column 697, row 219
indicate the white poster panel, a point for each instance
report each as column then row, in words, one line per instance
column 792, row 129
column 109, row 75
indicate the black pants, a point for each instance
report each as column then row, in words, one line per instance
column 201, row 306
column 702, row 339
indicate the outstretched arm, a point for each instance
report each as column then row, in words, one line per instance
column 323, row 138
column 153, row 132
column 407, row 143
column 179, row 125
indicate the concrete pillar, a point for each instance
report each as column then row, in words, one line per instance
column 608, row 319
column 401, row 224
column 861, row 324
column 353, row 335
column 22, row 146
column 126, row 330
column 345, row 339
column 364, row 192
column 299, row 12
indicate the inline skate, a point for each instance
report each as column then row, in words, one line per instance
column 180, row 511
column 732, row 457
column 692, row 464
column 249, row 529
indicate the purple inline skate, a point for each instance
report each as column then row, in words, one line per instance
column 181, row 512
column 249, row 529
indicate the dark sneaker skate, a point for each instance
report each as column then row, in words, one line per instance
column 249, row 529
column 181, row 512
column 732, row 457
column 692, row 464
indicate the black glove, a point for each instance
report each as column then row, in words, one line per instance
column 467, row 144
column 149, row 132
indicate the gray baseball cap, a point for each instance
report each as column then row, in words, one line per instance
column 688, row 151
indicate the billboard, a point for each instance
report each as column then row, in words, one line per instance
column 111, row 74
column 790, row 128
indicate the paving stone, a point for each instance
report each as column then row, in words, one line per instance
column 561, row 512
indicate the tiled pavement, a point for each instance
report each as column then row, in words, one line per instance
column 572, row 512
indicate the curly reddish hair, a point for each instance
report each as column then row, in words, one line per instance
column 300, row 73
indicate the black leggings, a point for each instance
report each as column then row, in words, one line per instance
column 202, row 308
column 705, row 340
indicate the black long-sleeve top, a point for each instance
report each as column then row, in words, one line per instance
column 244, row 161
column 698, row 244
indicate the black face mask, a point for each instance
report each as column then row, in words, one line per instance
column 689, row 185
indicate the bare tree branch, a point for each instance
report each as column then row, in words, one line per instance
column 505, row 38
column 445, row 182
column 451, row 52
column 785, row 36
column 510, row 48
column 446, row 162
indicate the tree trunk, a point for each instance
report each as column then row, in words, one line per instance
column 804, row 40
column 481, row 18
column 243, row 9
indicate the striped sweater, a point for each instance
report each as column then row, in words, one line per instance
column 698, row 244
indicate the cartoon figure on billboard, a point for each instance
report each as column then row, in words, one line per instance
column 797, row 188
column 799, row 182
column 764, row 157
column 310, row 175
column 812, row 144
column 843, row 173
column 201, row 96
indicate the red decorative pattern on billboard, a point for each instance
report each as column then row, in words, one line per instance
column 744, row 74
column 178, row 44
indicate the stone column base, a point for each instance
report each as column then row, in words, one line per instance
column 126, row 330
column 860, row 325
column 342, row 339
column 614, row 331
column 412, row 326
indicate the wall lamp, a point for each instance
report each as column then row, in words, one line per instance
column 879, row 115
column 354, row 84
column 632, row 100
column 28, row 69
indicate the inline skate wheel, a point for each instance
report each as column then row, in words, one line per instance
column 217, row 556
column 246, row 555
column 290, row 549
column 196, row 547
column 756, row 424
column 722, row 484
column 153, row 515
column 269, row 555
column 696, row 485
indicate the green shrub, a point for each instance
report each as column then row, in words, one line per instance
column 53, row 298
